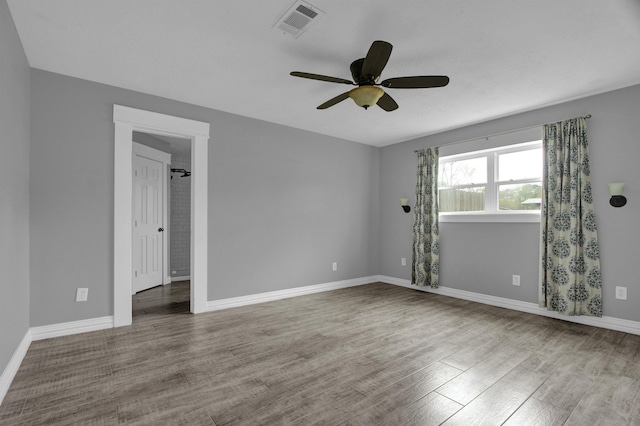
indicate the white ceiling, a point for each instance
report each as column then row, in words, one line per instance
column 503, row 56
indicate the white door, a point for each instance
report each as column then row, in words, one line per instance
column 148, row 224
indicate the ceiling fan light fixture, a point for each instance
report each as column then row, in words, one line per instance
column 366, row 72
column 366, row 96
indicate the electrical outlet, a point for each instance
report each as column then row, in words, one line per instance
column 621, row 293
column 403, row 261
column 82, row 294
column 515, row 280
column 335, row 266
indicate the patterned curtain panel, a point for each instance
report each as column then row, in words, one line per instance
column 426, row 249
column 570, row 269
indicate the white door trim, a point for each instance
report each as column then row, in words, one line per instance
column 164, row 158
column 127, row 120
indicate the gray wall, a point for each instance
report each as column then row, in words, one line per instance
column 481, row 257
column 14, row 189
column 180, row 229
column 283, row 203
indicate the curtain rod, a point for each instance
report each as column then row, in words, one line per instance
column 586, row 117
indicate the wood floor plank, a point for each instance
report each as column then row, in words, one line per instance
column 575, row 375
column 609, row 402
column 430, row 409
column 625, row 359
column 368, row 355
column 388, row 374
column 399, row 402
column 284, row 395
column 474, row 381
column 433, row 409
column 537, row 413
column 495, row 405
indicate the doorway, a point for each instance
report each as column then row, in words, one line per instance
column 175, row 217
column 126, row 121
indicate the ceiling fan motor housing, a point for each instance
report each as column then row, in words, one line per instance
column 356, row 72
column 367, row 94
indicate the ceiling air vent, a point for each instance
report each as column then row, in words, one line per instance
column 298, row 18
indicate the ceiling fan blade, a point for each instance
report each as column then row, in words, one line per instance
column 377, row 58
column 321, row 77
column 387, row 103
column 332, row 102
column 418, row 82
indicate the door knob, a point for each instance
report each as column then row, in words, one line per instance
column 160, row 229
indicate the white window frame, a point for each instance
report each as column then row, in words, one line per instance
column 491, row 213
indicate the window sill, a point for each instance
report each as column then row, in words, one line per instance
column 495, row 217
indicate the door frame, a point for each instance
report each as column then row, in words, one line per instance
column 165, row 158
column 126, row 121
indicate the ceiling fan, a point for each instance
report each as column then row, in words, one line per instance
column 366, row 73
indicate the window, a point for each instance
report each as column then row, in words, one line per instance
column 500, row 182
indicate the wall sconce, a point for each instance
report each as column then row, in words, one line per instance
column 617, row 199
column 404, row 202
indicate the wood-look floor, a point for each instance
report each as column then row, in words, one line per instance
column 369, row 355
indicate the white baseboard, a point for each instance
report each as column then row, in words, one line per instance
column 184, row 278
column 14, row 363
column 73, row 327
column 612, row 323
column 233, row 302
